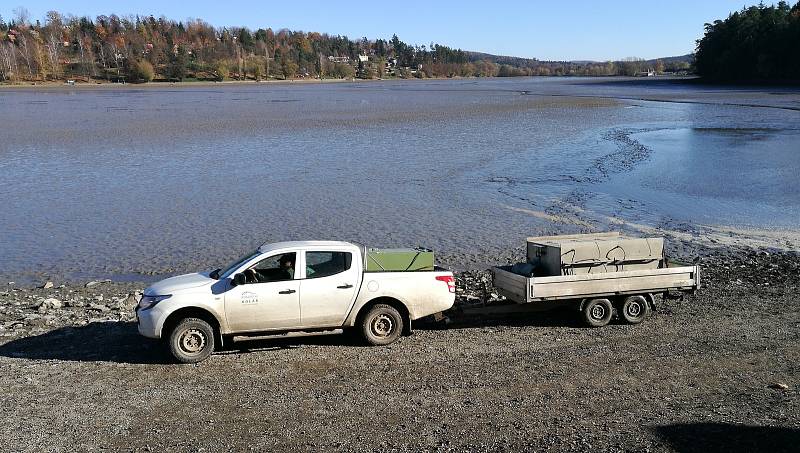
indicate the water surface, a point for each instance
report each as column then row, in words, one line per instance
column 139, row 181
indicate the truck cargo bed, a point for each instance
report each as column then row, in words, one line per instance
column 522, row 289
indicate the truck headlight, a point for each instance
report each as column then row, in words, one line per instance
column 149, row 302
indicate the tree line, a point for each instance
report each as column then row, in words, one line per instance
column 146, row 48
column 758, row 43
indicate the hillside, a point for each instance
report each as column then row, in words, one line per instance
column 145, row 48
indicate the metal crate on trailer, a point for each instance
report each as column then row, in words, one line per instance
column 387, row 260
column 593, row 253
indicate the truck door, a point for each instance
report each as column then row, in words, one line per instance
column 329, row 287
column 270, row 298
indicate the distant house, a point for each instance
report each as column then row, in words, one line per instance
column 344, row 59
column 363, row 58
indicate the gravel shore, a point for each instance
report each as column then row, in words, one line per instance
column 717, row 371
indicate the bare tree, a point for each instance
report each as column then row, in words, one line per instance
column 8, row 59
column 21, row 16
column 53, row 42
column 87, row 50
column 24, row 51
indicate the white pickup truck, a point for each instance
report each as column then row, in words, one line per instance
column 303, row 286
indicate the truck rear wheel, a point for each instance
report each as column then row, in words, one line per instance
column 597, row 312
column 382, row 325
column 634, row 309
column 191, row 340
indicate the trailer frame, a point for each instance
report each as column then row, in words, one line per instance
column 522, row 289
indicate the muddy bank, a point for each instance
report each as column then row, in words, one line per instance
column 716, row 371
column 26, row 310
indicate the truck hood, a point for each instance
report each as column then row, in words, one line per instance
column 179, row 283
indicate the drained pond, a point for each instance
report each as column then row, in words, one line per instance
column 132, row 182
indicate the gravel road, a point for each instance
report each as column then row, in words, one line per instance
column 718, row 371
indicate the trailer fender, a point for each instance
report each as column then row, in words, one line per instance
column 651, row 300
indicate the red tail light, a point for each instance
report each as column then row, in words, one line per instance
column 450, row 280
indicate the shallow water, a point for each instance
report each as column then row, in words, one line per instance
column 130, row 182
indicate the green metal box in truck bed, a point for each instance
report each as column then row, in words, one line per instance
column 399, row 260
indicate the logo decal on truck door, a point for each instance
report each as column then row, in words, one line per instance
column 249, row 298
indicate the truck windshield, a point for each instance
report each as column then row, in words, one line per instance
column 225, row 273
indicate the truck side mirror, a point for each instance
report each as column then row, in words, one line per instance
column 238, row 279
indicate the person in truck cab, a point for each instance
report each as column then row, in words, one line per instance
column 287, row 263
column 270, row 271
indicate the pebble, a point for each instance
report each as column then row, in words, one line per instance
column 99, row 307
column 52, row 303
column 95, row 283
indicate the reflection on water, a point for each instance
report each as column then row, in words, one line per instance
column 745, row 177
column 155, row 180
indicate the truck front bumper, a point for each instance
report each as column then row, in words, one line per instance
column 148, row 322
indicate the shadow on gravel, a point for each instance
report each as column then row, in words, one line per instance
column 120, row 342
column 117, row 342
column 551, row 318
column 724, row 437
column 244, row 346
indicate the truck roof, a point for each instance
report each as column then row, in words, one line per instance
column 269, row 246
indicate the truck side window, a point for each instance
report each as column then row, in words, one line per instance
column 325, row 264
column 276, row 268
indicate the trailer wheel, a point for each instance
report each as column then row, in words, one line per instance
column 191, row 341
column 382, row 325
column 634, row 309
column 597, row 312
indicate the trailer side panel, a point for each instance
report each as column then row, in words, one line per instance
column 611, row 283
column 511, row 285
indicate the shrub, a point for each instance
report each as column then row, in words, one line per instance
column 142, row 71
column 221, row 71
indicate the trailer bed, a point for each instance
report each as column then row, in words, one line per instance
column 522, row 289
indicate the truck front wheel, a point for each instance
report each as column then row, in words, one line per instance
column 191, row 340
column 597, row 312
column 382, row 325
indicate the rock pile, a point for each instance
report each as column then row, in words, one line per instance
column 25, row 311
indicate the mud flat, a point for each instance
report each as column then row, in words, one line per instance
column 717, row 371
column 133, row 182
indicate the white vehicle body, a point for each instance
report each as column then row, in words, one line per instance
column 304, row 302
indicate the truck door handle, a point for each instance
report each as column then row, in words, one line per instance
column 347, row 286
column 288, row 291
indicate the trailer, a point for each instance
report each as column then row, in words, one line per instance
column 599, row 295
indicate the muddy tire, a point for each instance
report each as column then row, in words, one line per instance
column 634, row 309
column 597, row 312
column 191, row 340
column 381, row 325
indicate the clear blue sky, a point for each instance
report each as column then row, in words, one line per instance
column 548, row 30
